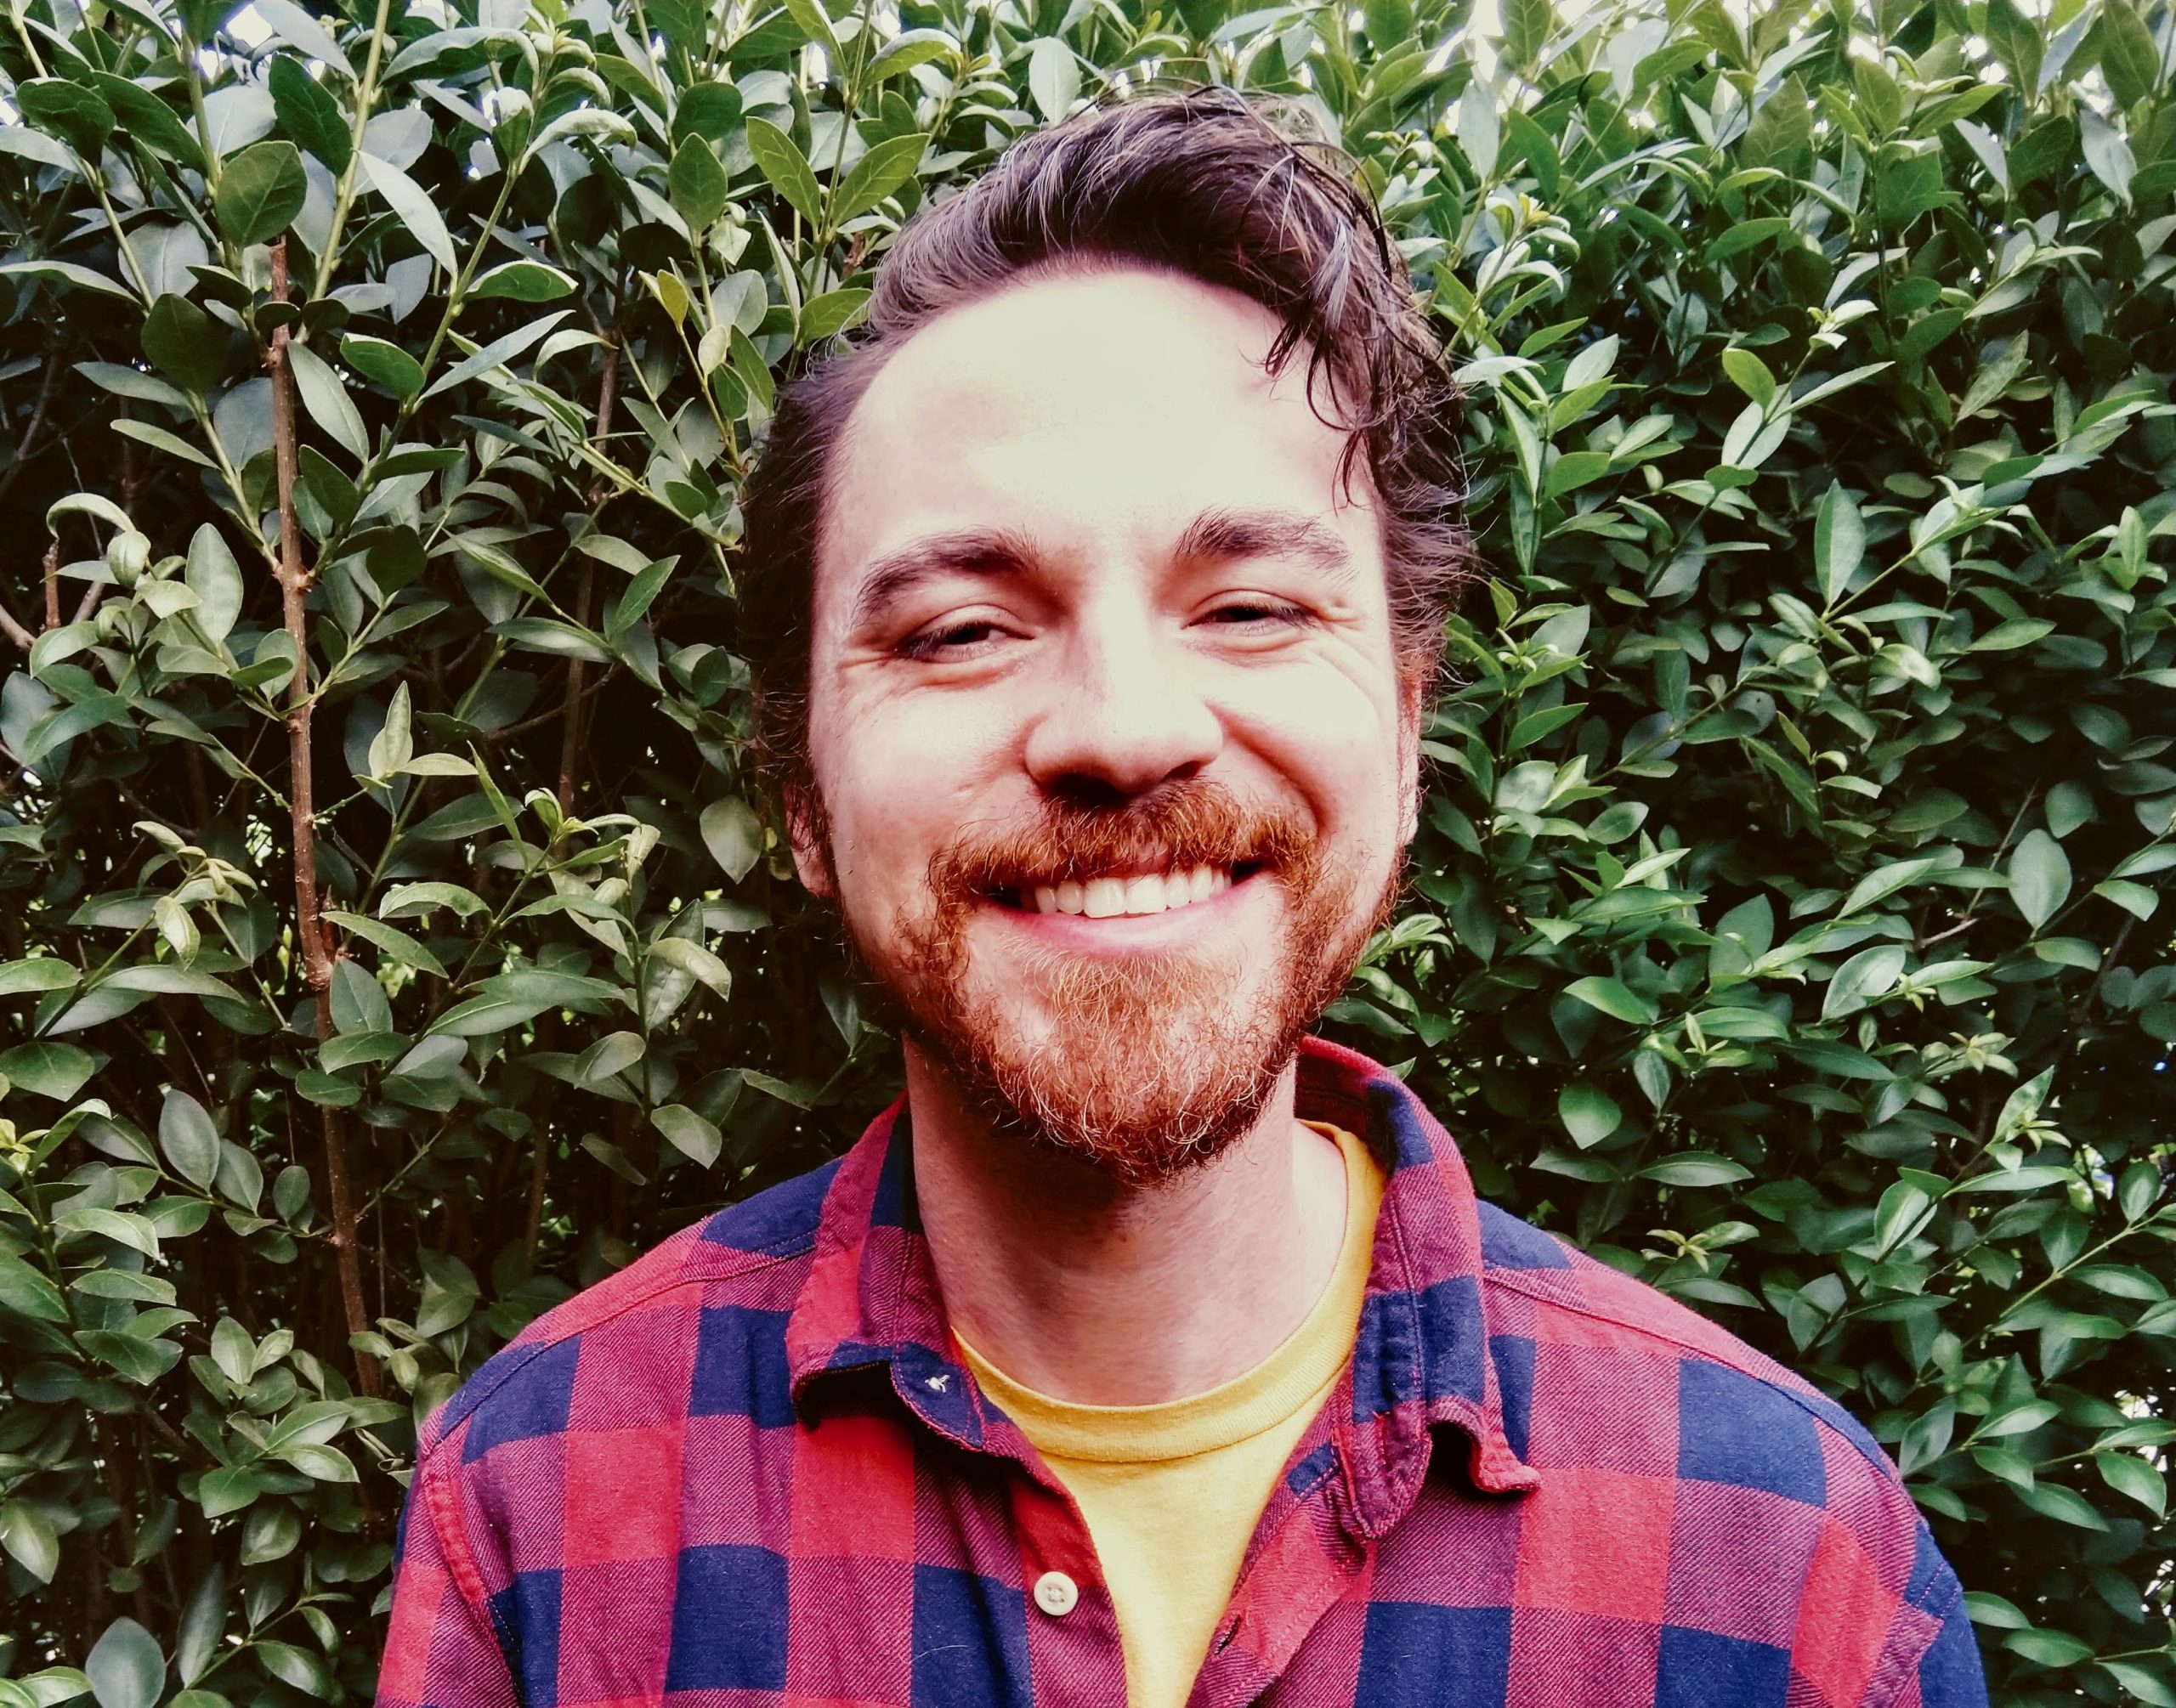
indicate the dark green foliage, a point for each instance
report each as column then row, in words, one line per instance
column 1785, row 921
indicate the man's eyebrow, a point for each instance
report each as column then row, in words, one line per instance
column 1228, row 533
column 985, row 551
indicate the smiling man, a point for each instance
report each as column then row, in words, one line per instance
column 1148, row 1351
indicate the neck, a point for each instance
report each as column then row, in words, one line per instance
column 1101, row 1293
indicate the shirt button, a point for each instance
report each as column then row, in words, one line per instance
column 1056, row 1593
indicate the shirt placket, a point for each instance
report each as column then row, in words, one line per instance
column 1076, row 1658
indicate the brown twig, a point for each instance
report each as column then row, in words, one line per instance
column 506, row 733
column 52, row 567
column 309, row 925
column 607, row 391
column 48, row 385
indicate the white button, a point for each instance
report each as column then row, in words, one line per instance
column 1056, row 1593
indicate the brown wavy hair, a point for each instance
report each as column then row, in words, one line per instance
column 1236, row 192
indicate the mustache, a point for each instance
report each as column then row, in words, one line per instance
column 1179, row 827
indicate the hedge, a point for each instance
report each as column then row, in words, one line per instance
column 390, row 942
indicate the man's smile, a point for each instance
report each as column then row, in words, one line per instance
column 1110, row 895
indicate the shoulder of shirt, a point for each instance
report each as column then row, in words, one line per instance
column 1553, row 1274
column 737, row 1244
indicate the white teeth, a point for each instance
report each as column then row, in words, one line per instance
column 1106, row 898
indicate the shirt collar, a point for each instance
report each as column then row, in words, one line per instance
column 870, row 1301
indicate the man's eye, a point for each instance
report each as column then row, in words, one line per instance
column 949, row 640
column 1258, row 614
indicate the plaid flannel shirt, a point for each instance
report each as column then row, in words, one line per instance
column 750, row 1470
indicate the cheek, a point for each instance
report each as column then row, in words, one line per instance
column 900, row 778
column 1327, row 735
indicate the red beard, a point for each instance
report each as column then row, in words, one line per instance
column 1151, row 1065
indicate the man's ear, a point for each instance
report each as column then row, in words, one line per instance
column 811, row 854
column 1413, row 707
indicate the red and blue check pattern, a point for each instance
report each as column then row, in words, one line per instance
column 748, row 1471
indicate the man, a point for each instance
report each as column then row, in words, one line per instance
column 1147, row 1351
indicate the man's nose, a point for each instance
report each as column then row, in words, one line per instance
column 1122, row 713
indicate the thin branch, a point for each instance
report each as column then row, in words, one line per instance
column 310, row 934
column 52, row 568
column 48, row 386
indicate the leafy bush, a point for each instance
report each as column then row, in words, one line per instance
column 391, row 944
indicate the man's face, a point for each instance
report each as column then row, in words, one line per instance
column 1114, row 758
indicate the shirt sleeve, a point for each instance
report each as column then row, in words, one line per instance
column 441, row 1652
column 1946, row 1673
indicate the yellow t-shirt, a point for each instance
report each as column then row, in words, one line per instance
column 1172, row 1492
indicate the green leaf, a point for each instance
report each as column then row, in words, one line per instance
column 308, row 114
column 26, row 1292
column 1780, row 134
column 521, row 281
column 708, row 110
column 418, row 214
column 66, row 110
column 887, row 166
column 2128, row 1475
column 43, row 973
column 1526, row 25
column 1840, row 541
column 689, row 1133
column 57, row 1071
column 28, row 1536
column 126, row 1666
column 1053, row 78
column 824, row 316
column 1750, row 375
column 1868, row 974
column 2130, row 57
column 734, row 834
column 786, row 168
column 1694, row 1168
column 148, row 120
column 1613, row 998
column 2039, row 878
column 188, row 1139
column 698, row 184
column 185, row 343
column 261, row 191
column 326, row 397
column 385, row 364
column 2017, row 42
column 1589, row 1114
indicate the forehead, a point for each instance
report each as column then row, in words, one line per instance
column 1118, row 402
